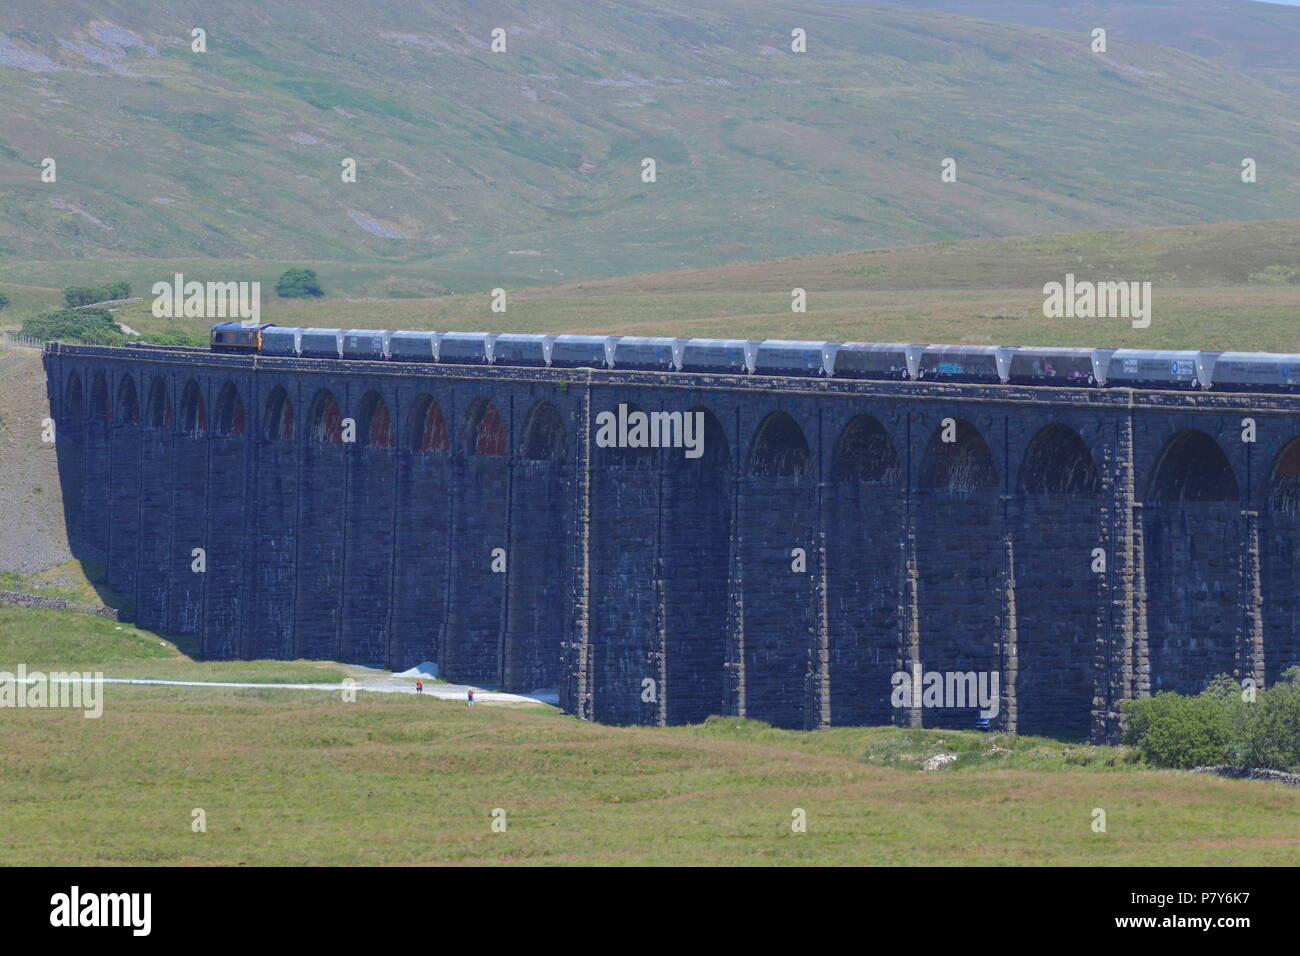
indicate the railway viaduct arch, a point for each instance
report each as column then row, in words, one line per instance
column 1086, row 546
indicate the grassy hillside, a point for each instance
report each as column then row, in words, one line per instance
column 1262, row 39
column 296, row 777
column 65, row 641
column 526, row 163
column 1230, row 286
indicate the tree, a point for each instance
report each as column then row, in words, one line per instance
column 1171, row 730
column 1266, row 732
column 4, row 299
column 298, row 284
column 78, row 295
column 90, row 326
column 116, row 290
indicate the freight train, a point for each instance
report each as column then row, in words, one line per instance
column 1092, row 368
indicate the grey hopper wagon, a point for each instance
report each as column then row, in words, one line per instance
column 1055, row 366
column 369, row 344
column 776, row 357
column 581, row 351
column 466, row 348
column 965, row 363
column 1135, row 368
column 413, row 346
column 651, row 354
column 1249, row 372
column 862, row 360
column 524, row 350
column 735, row 356
column 280, row 340
column 321, row 343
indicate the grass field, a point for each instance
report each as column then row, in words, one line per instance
column 302, row 777
column 1232, row 286
column 67, row 641
column 299, row 777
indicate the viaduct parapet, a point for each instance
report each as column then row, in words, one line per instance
column 1084, row 545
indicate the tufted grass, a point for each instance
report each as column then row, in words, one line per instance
column 299, row 777
column 66, row 641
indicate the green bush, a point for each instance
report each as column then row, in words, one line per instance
column 1171, row 730
column 298, row 284
column 88, row 326
column 1266, row 732
column 4, row 299
column 116, row 290
column 1221, row 725
column 78, row 295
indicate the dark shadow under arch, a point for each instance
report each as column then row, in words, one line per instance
column 325, row 420
column 194, row 413
column 1192, row 467
column 609, row 453
column 485, row 430
column 231, row 420
column 963, row 466
column 1284, row 481
column 865, row 452
column 100, row 409
column 375, row 423
column 128, row 401
column 427, row 429
column 1280, row 560
column 544, row 433
column 159, row 407
column 74, row 398
column 780, row 449
column 1058, row 462
column 278, row 423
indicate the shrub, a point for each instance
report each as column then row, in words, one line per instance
column 1265, row 733
column 116, row 290
column 1171, row 730
column 1221, row 725
column 298, row 284
column 89, row 326
column 78, row 295
column 4, row 299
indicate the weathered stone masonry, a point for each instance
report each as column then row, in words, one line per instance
column 653, row 588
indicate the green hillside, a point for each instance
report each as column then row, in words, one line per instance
column 526, row 164
column 1262, row 39
column 1225, row 286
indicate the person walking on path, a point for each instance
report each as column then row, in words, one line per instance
column 469, row 697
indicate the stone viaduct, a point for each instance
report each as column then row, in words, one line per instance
column 1086, row 545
